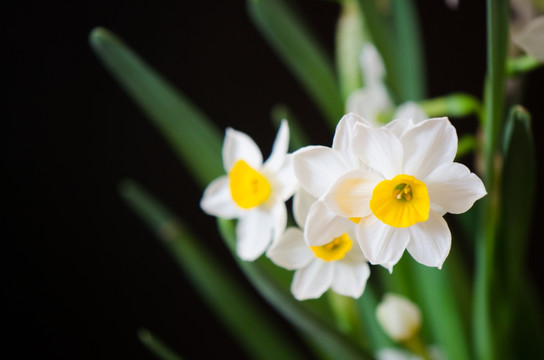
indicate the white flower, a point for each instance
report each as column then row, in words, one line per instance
column 253, row 192
column 405, row 182
column 397, row 354
column 399, row 317
column 373, row 98
column 339, row 264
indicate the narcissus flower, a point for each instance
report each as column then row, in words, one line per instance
column 253, row 192
column 338, row 264
column 399, row 317
column 405, row 183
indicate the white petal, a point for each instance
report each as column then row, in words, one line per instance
column 254, row 232
column 312, row 281
column 350, row 195
column 217, row 200
column 302, row 201
column 349, row 279
column 291, row 251
column 323, row 226
column 279, row 149
column 284, row 180
column 400, row 125
column 410, row 110
column 382, row 244
column 239, row 146
column 428, row 145
column 378, row 148
column 454, row 188
column 318, row 167
column 430, row 241
column 278, row 213
column 531, row 38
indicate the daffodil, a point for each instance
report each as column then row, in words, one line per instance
column 252, row 192
column 404, row 183
column 418, row 183
column 339, row 264
column 399, row 317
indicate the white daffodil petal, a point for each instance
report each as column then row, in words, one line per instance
column 279, row 149
column 344, row 134
column 350, row 195
column 349, row 279
column 291, row 251
column 254, row 233
column 378, row 148
column 239, row 146
column 382, row 244
column 312, row 281
column 428, row 145
column 302, row 201
column 430, row 241
column 371, row 64
column 322, row 225
column 317, row 168
column 454, row 188
column 217, row 200
column 278, row 213
column 399, row 126
column 285, row 181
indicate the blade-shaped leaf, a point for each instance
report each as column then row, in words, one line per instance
column 255, row 329
column 322, row 333
column 156, row 346
column 300, row 52
column 192, row 136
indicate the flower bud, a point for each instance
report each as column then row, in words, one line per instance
column 399, row 317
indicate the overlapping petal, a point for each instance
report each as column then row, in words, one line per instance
column 322, row 225
column 382, row 244
column 217, row 200
column 291, row 251
column 311, row 281
column 279, row 149
column 427, row 145
column 318, row 167
column 380, row 149
column 453, row 188
column 349, row 277
column 430, row 241
column 239, row 146
column 350, row 195
column 254, row 232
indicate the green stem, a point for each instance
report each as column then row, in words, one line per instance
column 497, row 36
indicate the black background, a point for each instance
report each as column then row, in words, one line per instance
column 81, row 273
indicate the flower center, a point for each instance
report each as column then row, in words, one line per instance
column 401, row 202
column 335, row 250
column 248, row 187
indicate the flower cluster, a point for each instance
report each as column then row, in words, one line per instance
column 376, row 192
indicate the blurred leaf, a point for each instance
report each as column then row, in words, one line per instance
column 376, row 336
column 518, row 194
column 256, row 330
column 350, row 37
column 456, row 105
column 297, row 134
column 192, row 136
column 323, row 334
column 484, row 317
column 521, row 65
column 467, row 144
column 408, row 52
column 301, row 53
column 156, row 346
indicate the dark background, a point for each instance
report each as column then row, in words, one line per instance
column 82, row 273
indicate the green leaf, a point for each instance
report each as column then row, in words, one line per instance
column 408, row 52
column 187, row 130
column 299, row 50
column 376, row 336
column 485, row 339
column 314, row 327
column 156, row 346
column 255, row 329
column 518, row 193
